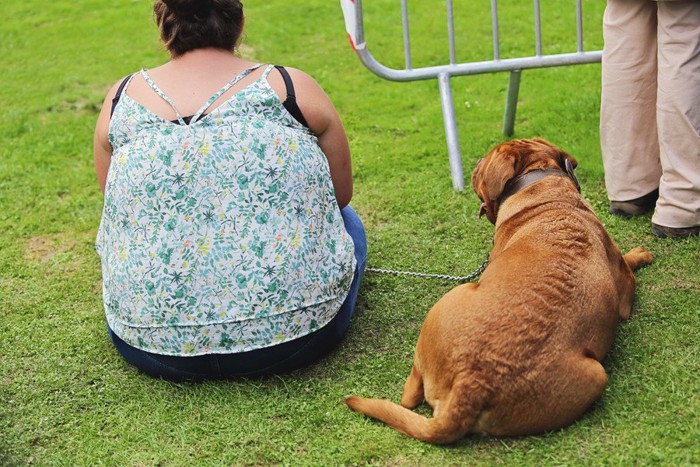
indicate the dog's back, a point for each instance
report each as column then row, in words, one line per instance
column 519, row 352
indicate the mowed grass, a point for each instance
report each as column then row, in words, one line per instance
column 67, row 398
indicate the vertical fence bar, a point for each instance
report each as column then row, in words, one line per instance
column 451, row 32
column 448, row 116
column 538, row 30
column 444, row 73
column 406, row 34
column 359, row 23
column 511, row 103
column 494, row 30
column 579, row 27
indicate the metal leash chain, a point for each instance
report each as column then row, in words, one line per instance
column 446, row 277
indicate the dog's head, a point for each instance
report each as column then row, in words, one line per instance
column 509, row 160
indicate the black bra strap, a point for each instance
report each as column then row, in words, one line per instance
column 287, row 81
column 290, row 102
column 118, row 95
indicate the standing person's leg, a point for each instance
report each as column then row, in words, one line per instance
column 628, row 134
column 678, row 116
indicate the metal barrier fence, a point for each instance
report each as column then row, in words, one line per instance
column 352, row 11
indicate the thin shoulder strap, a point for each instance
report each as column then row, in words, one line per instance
column 267, row 71
column 290, row 103
column 287, row 82
column 118, row 95
column 162, row 95
column 226, row 87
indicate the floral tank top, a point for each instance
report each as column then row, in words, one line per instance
column 222, row 235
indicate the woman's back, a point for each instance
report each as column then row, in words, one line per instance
column 221, row 235
column 224, row 251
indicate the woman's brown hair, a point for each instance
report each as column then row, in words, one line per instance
column 193, row 24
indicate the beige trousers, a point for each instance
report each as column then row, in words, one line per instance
column 650, row 106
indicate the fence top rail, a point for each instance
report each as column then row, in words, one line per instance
column 352, row 11
column 476, row 68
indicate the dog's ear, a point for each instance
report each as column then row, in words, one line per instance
column 499, row 168
column 490, row 178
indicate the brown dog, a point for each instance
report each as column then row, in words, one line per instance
column 519, row 352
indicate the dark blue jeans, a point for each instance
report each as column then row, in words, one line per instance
column 281, row 358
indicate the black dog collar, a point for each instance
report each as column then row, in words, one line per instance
column 523, row 181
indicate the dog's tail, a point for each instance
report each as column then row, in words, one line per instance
column 638, row 257
column 454, row 418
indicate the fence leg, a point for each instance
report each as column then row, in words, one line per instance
column 448, row 115
column 511, row 103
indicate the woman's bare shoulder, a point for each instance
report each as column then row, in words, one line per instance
column 303, row 82
column 312, row 100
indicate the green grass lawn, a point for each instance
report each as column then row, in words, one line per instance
column 67, row 398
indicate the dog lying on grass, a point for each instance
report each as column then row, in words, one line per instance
column 519, row 352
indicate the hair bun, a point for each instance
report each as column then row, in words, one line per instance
column 189, row 8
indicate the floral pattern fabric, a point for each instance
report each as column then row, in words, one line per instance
column 223, row 235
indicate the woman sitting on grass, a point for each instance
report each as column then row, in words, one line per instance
column 227, row 244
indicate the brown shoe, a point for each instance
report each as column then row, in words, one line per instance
column 634, row 207
column 674, row 232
